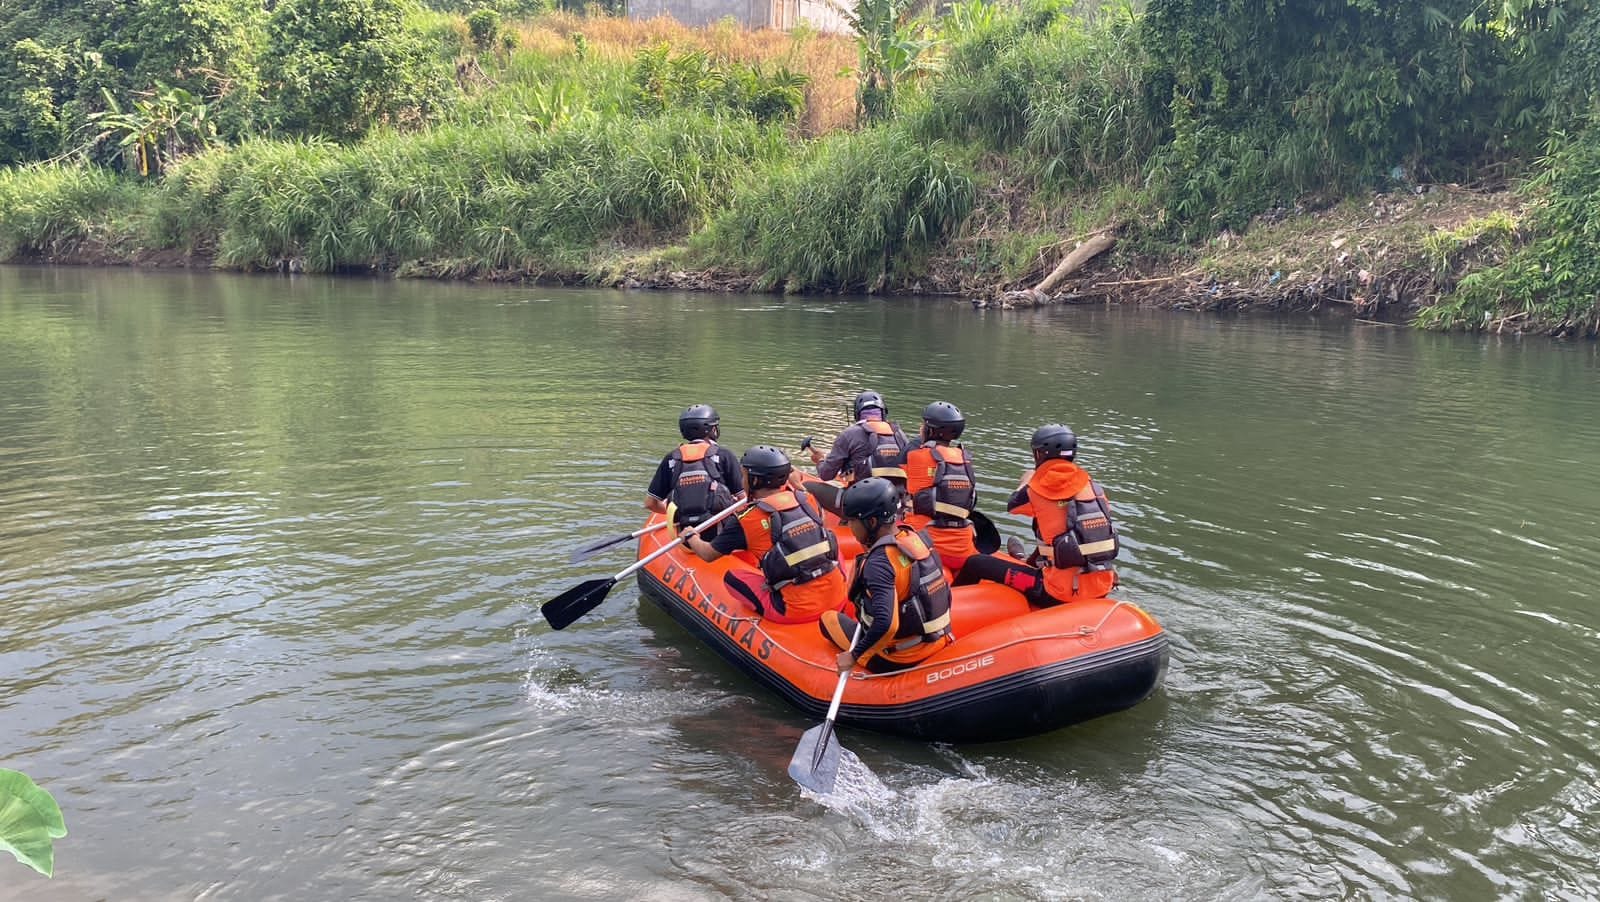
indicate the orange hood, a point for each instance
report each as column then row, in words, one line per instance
column 1057, row 480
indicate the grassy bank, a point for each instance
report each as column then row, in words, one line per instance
column 611, row 151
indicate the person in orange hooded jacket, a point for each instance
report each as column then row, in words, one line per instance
column 1077, row 540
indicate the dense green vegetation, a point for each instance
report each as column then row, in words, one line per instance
column 457, row 199
column 853, row 212
column 331, row 133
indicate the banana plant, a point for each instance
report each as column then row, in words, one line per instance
column 157, row 129
column 30, row 822
column 891, row 40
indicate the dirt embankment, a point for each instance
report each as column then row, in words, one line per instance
column 1367, row 257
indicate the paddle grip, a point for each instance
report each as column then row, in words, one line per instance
column 838, row 692
column 738, row 505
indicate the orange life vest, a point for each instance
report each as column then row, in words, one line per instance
column 921, row 618
column 1076, row 538
column 799, row 547
column 801, row 599
column 699, row 487
column 887, row 446
column 933, row 479
column 942, row 486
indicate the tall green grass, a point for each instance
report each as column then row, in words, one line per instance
column 1063, row 91
column 1207, row 177
column 51, row 209
column 479, row 198
column 857, row 210
column 544, row 90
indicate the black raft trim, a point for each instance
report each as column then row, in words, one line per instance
column 1010, row 707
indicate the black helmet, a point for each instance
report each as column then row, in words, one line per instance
column 766, row 466
column 944, row 421
column 1053, row 440
column 869, row 399
column 871, row 498
column 699, row 421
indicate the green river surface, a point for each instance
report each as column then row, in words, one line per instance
column 272, row 551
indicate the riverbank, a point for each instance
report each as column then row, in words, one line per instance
column 1040, row 157
column 1384, row 257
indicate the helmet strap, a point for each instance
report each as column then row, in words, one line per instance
column 875, row 527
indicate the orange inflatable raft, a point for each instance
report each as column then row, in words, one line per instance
column 1013, row 670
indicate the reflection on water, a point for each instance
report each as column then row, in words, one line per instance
column 271, row 552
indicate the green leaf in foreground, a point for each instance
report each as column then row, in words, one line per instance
column 30, row 821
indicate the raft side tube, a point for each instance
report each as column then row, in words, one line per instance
column 1053, row 690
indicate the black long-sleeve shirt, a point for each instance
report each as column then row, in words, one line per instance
column 851, row 451
column 879, row 603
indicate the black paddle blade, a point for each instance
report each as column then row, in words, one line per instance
column 815, row 764
column 594, row 548
column 826, row 494
column 984, row 533
column 577, row 601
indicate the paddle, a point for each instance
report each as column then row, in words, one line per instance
column 567, row 607
column 815, row 764
column 807, row 443
column 594, row 548
column 984, row 533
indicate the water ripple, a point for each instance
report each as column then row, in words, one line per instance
column 272, row 553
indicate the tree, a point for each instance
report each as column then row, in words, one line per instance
column 336, row 67
column 60, row 59
column 890, row 46
column 157, row 129
column 1378, row 82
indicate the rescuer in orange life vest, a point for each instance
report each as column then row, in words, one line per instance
column 783, row 528
column 941, row 484
column 1072, row 521
column 871, row 446
column 899, row 590
column 699, row 477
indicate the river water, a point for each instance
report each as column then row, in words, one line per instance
column 272, row 551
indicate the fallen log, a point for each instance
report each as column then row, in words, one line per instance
column 1074, row 261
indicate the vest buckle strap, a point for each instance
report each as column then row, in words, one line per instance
column 1098, row 547
column 806, row 553
column 907, row 644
